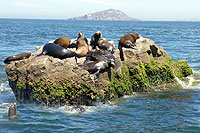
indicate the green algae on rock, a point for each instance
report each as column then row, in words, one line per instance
column 56, row 82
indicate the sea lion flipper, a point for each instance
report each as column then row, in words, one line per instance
column 43, row 53
column 96, row 74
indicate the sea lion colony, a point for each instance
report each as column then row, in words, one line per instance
column 98, row 51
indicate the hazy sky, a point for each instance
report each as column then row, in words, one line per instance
column 63, row 9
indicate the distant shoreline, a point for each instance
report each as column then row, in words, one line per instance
column 54, row 19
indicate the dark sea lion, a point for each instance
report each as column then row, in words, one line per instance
column 98, row 61
column 63, row 41
column 95, row 67
column 98, row 41
column 12, row 111
column 127, row 41
column 82, row 46
column 17, row 57
column 56, row 51
column 99, row 55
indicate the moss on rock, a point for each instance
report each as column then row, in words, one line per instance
column 55, row 82
column 182, row 69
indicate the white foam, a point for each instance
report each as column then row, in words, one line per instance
column 4, row 87
column 73, row 110
column 188, row 85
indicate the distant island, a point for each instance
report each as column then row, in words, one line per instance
column 110, row 14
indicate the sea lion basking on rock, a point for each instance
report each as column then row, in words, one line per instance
column 63, row 41
column 56, row 51
column 82, row 46
column 127, row 41
column 98, row 41
column 98, row 61
column 17, row 57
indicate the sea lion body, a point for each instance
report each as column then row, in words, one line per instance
column 82, row 46
column 17, row 57
column 105, row 45
column 99, row 55
column 98, row 61
column 63, row 41
column 56, row 51
column 95, row 67
column 128, row 40
column 98, row 41
column 12, row 111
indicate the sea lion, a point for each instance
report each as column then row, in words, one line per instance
column 127, row 41
column 82, row 46
column 98, row 61
column 99, row 55
column 98, row 41
column 56, row 51
column 17, row 57
column 96, row 67
column 63, row 41
column 12, row 111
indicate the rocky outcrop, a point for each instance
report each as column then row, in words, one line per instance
column 54, row 82
column 110, row 14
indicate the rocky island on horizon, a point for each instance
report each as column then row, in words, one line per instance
column 110, row 14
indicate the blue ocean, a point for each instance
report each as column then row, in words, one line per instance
column 166, row 110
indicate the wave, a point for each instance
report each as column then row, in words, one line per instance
column 192, row 82
column 4, row 87
column 193, row 60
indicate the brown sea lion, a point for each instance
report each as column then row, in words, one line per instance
column 12, row 111
column 127, row 41
column 82, row 46
column 98, row 41
column 63, row 41
column 17, row 57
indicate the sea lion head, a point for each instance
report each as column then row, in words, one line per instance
column 80, row 35
column 95, row 38
column 12, row 110
column 136, row 35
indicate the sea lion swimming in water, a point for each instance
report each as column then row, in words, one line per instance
column 127, row 41
column 98, row 41
column 63, row 41
column 17, row 57
column 12, row 111
column 56, row 51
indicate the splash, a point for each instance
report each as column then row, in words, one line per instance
column 73, row 110
column 192, row 83
column 4, row 87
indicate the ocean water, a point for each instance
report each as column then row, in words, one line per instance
column 166, row 110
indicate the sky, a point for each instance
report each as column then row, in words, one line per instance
column 164, row 10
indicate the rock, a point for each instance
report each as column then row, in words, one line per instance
column 54, row 82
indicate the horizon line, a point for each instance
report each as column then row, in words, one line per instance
column 187, row 20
